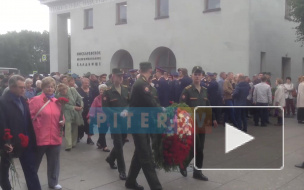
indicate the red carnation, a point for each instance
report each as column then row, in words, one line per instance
column 62, row 100
column 24, row 140
column 7, row 135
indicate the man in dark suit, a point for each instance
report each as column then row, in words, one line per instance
column 15, row 115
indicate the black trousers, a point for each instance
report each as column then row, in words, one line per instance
column 199, row 156
column 261, row 113
column 142, row 159
column 28, row 163
column 117, row 151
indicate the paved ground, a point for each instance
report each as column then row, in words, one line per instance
column 84, row 168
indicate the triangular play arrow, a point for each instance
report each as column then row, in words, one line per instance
column 235, row 138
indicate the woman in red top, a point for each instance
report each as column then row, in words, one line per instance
column 96, row 108
column 47, row 126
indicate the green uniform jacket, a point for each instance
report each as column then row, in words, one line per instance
column 141, row 95
column 192, row 97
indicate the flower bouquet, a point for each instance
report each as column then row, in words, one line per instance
column 172, row 147
column 61, row 101
column 8, row 146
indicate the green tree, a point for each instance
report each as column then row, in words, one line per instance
column 24, row 50
column 297, row 15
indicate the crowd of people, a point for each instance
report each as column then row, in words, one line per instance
column 29, row 106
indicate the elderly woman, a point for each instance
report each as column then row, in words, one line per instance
column 94, row 110
column 86, row 93
column 300, row 101
column 29, row 90
column 38, row 89
column 45, row 114
column 72, row 114
column 279, row 99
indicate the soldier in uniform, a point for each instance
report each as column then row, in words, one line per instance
column 141, row 97
column 213, row 90
column 132, row 78
column 196, row 95
column 204, row 81
column 174, row 88
column 153, row 90
column 114, row 98
column 103, row 79
column 184, row 80
column 162, row 87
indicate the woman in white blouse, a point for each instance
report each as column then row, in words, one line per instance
column 289, row 87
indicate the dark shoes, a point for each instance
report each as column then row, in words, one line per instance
column 106, row 150
column 122, row 176
column 134, row 186
column 199, row 175
column 300, row 165
column 90, row 142
column 112, row 164
column 68, row 149
column 183, row 171
column 263, row 125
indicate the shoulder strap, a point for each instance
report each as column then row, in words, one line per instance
column 41, row 110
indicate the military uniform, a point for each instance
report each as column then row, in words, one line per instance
column 183, row 83
column 142, row 97
column 163, row 92
column 113, row 102
column 154, row 94
column 193, row 98
column 204, row 82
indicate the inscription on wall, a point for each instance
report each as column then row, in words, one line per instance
column 88, row 58
column 76, row 4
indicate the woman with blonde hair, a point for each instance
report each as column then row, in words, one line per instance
column 45, row 114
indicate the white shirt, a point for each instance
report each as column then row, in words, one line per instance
column 288, row 94
column 262, row 93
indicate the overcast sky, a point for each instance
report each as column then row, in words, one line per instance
column 17, row 15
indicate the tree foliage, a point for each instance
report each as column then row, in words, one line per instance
column 24, row 50
column 297, row 15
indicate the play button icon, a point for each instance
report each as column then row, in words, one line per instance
column 235, row 138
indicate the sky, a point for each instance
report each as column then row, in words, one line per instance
column 17, row 15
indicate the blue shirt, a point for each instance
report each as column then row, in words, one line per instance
column 30, row 93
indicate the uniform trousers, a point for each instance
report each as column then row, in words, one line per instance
column 142, row 159
column 117, row 152
column 199, row 156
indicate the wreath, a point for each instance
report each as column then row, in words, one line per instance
column 172, row 147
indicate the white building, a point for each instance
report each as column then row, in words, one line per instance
column 242, row 36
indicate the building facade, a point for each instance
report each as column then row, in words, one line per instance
column 242, row 36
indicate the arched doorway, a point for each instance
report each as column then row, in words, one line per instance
column 122, row 59
column 163, row 57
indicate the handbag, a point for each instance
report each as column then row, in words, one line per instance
column 46, row 103
column 294, row 93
